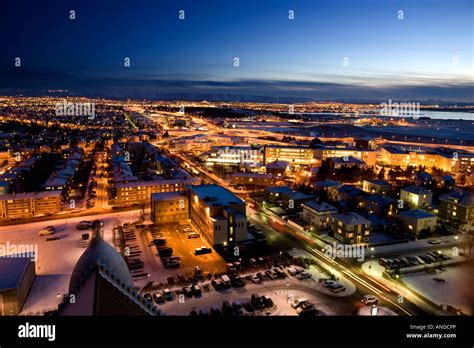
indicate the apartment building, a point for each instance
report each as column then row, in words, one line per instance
column 25, row 205
column 416, row 196
column 318, row 214
column 457, row 208
column 368, row 156
column 130, row 193
column 302, row 155
column 218, row 214
column 351, row 228
column 393, row 156
column 169, row 207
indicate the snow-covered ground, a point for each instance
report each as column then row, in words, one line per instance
column 56, row 259
column 456, row 290
column 282, row 292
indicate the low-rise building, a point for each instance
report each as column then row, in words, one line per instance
column 25, row 205
column 131, row 193
column 351, row 228
column 416, row 196
column 457, row 207
column 254, row 179
column 169, row 207
column 318, row 214
column 415, row 221
column 290, row 154
column 17, row 275
column 376, row 186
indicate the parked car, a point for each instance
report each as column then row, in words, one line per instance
column 271, row 274
column 147, row 296
column 227, row 309
column 187, row 291
column 158, row 298
column 196, row 290
column 45, row 232
column 193, row 235
column 298, row 302
column 84, row 225
column 255, row 279
column 167, row 294
column 303, row 275
column 257, row 301
column 370, row 300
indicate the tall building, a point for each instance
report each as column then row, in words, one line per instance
column 218, row 214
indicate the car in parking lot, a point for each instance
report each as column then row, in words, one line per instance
column 271, row 274
column 147, row 296
column 370, row 300
column 84, row 225
column 47, row 231
column 303, row 275
column 193, row 235
column 187, row 291
column 298, row 302
column 158, row 298
column 237, row 282
column 255, row 279
column 307, row 309
column 167, row 294
column 196, row 290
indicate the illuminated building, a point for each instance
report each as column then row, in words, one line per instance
column 416, row 196
column 457, row 207
column 234, row 155
column 131, row 193
column 403, row 158
column 290, row 154
column 415, row 221
column 254, row 179
column 318, row 214
column 169, row 207
column 24, row 205
column 376, row 186
column 218, row 214
column 351, row 228
column 368, row 156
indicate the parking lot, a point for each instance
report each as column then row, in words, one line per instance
column 283, row 291
column 184, row 248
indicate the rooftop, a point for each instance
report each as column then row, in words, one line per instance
column 215, row 195
column 351, row 218
column 12, row 270
column 319, row 206
column 416, row 214
column 416, row 190
column 460, row 197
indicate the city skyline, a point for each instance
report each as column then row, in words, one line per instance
column 328, row 50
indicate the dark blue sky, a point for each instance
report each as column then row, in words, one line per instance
column 426, row 55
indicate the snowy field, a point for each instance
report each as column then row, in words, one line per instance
column 56, row 259
column 456, row 290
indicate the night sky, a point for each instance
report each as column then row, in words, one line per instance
column 426, row 55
